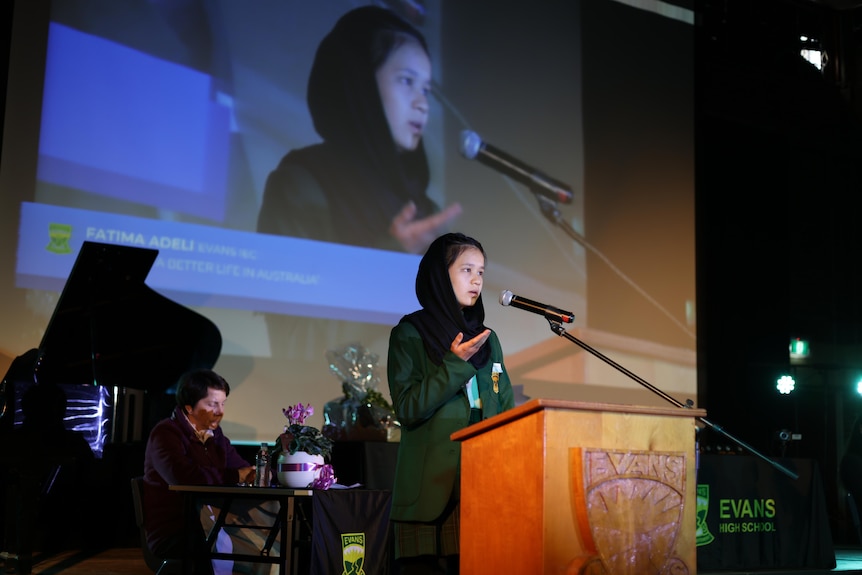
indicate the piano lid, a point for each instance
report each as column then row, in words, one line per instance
column 110, row 328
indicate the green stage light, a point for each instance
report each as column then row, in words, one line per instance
column 785, row 385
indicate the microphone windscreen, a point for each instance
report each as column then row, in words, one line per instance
column 470, row 144
column 506, row 297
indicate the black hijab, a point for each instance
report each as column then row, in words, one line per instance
column 441, row 317
column 366, row 180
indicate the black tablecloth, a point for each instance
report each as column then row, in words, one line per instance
column 351, row 532
column 756, row 516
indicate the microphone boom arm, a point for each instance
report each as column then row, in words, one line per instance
column 559, row 330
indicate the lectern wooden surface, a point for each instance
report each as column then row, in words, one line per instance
column 558, row 486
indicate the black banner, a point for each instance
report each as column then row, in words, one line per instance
column 751, row 515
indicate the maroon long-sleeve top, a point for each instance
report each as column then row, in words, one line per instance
column 175, row 456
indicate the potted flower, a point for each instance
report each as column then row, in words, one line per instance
column 301, row 452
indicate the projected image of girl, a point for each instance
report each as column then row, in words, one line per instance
column 366, row 183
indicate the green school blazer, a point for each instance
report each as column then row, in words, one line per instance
column 431, row 403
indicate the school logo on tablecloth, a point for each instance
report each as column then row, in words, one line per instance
column 353, row 553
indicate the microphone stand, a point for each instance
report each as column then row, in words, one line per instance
column 549, row 209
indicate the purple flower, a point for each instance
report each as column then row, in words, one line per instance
column 297, row 414
column 325, row 478
column 297, row 436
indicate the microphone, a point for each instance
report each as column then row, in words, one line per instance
column 550, row 312
column 473, row 148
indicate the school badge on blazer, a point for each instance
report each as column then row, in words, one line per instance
column 496, row 370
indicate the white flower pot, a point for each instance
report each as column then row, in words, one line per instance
column 299, row 470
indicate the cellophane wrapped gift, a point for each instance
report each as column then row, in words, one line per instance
column 361, row 413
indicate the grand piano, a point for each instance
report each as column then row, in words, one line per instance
column 113, row 344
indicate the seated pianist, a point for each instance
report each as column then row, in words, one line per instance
column 190, row 448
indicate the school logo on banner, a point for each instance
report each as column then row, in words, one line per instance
column 353, row 553
column 735, row 516
column 703, row 536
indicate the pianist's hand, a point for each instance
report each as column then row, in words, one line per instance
column 246, row 475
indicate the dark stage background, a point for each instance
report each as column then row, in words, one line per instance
column 778, row 158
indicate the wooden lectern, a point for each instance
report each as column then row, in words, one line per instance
column 558, row 486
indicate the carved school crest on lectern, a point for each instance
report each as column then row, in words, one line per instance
column 628, row 506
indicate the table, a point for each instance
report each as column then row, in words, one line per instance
column 225, row 496
column 750, row 515
column 347, row 525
